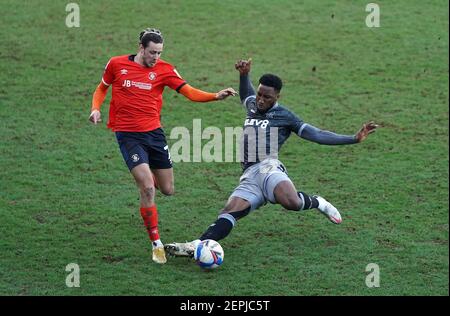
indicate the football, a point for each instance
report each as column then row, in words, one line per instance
column 209, row 254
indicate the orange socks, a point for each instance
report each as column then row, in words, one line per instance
column 150, row 217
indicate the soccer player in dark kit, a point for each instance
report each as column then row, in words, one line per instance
column 267, row 126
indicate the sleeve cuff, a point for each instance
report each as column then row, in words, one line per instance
column 105, row 83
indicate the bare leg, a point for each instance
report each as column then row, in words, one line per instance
column 165, row 180
column 144, row 181
column 286, row 194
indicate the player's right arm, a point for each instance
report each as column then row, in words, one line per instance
column 100, row 92
column 97, row 101
column 245, row 85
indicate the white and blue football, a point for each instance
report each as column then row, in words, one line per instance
column 209, row 254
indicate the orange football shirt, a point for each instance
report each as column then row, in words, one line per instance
column 137, row 93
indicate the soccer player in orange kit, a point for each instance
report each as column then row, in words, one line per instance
column 138, row 82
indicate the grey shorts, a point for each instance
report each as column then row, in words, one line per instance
column 259, row 181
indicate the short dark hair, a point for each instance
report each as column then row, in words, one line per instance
column 271, row 81
column 150, row 35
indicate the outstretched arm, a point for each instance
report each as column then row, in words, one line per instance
column 319, row 136
column 198, row 95
column 245, row 85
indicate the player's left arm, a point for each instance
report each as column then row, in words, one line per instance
column 198, row 95
column 324, row 137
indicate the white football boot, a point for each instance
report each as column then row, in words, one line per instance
column 184, row 249
column 158, row 253
column 327, row 209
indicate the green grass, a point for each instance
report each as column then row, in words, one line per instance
column 66, row 195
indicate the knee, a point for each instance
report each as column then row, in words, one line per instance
column 226, row 209
column 147, row 191
column 292, row 203
column 167, row 189
column 236, row 214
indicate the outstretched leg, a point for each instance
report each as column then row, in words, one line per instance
column 235, row 209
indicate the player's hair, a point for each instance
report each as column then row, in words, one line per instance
column 271, row 81
column 150, row 35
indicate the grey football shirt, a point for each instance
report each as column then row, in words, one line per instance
column 265, row 133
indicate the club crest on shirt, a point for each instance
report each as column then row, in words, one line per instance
column 123, row 71
column 152, row 76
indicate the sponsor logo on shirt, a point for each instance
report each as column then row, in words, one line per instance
column 123, row 71
column 152, row 76
column 140, row 85
column 254, row 122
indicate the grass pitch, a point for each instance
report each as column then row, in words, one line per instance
column 67, row 197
